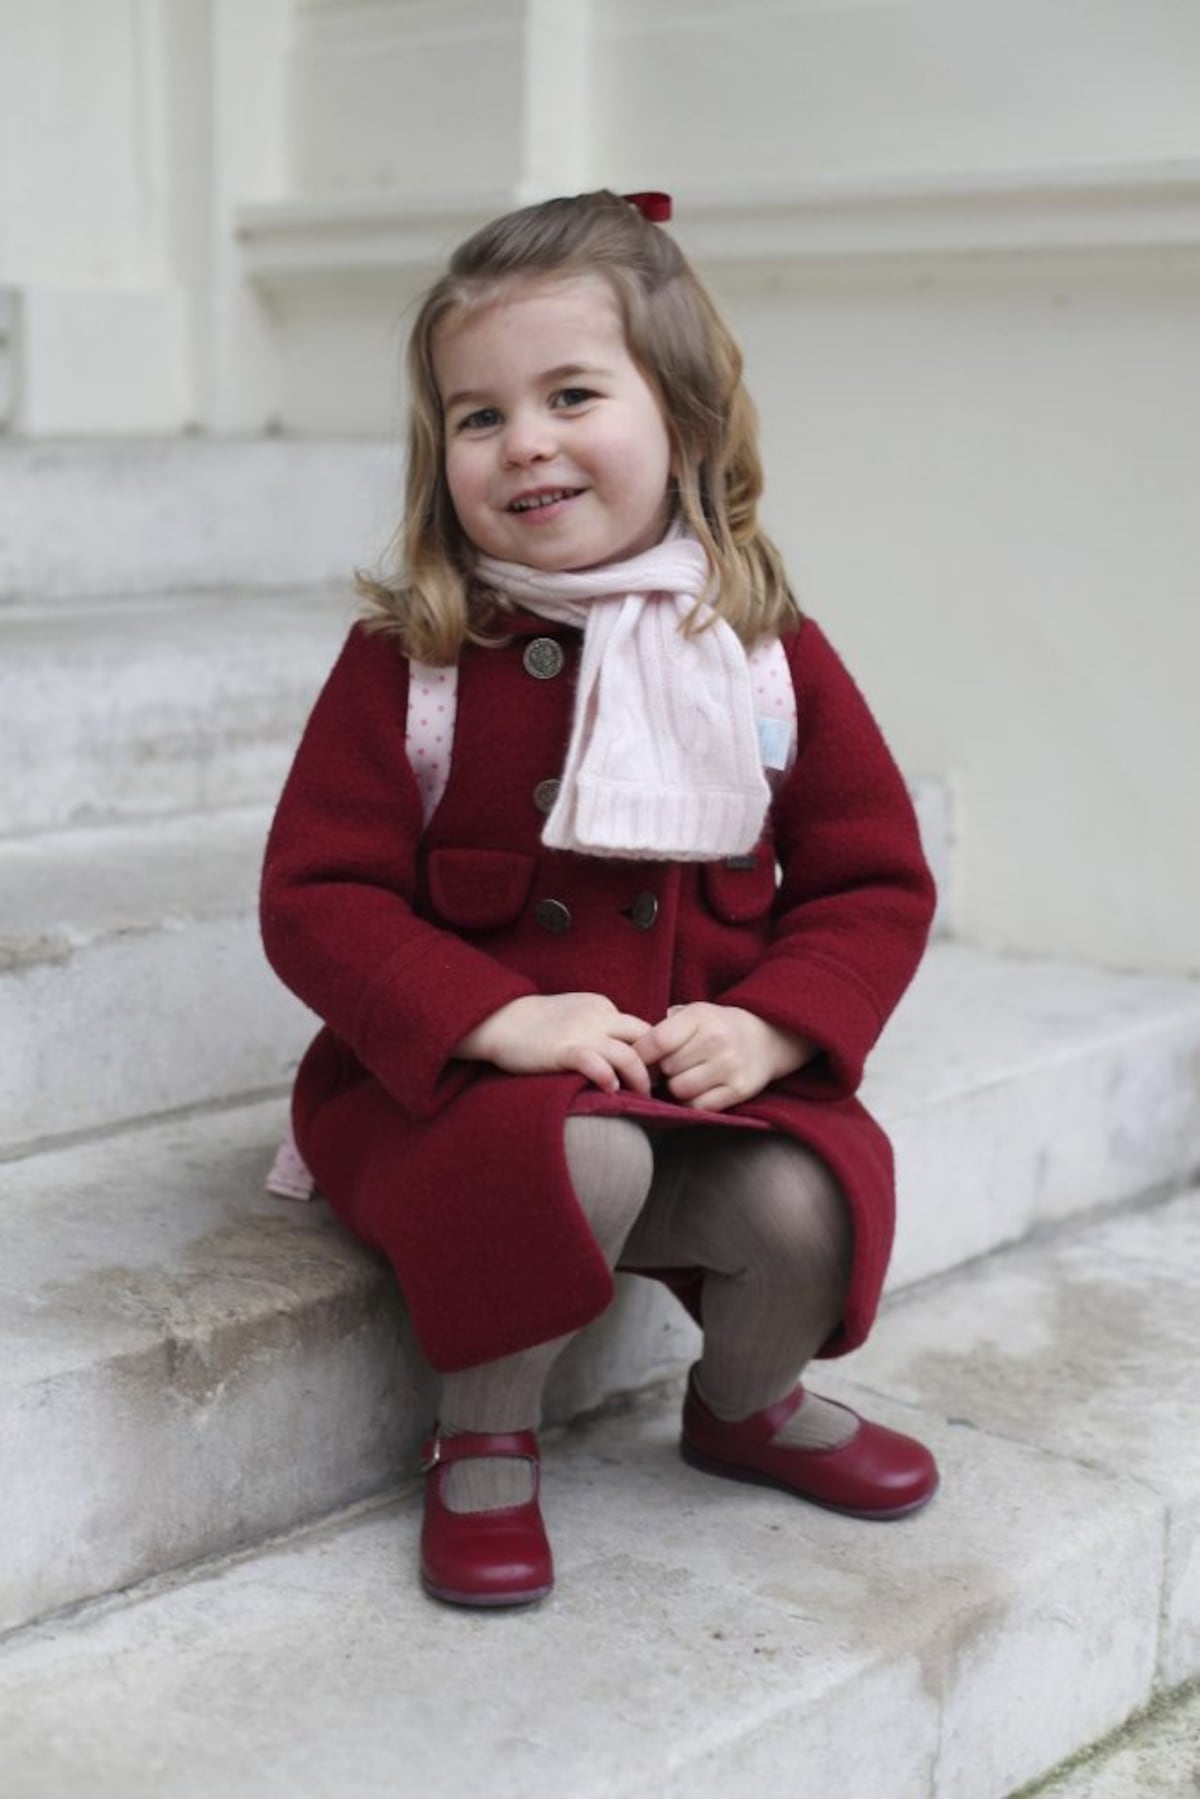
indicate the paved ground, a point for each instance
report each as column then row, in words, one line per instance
column 1157, row 1758
column 708, row 1640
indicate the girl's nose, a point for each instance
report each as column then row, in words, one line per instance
column 527, row 440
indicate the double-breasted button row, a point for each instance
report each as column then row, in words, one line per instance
column 554, row 916
column 543, row 658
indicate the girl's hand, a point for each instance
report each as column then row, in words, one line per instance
column 716, row 1056
column 550, row 1033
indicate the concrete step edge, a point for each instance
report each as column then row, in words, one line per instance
column 45, row 617
column 203, row 512
column 132, row 982
column 158, row 707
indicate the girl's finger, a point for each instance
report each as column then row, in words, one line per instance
column 629, row 1066
column 689, row 1084
column 594, row 1067
column 691, row 1056
column 717, row 1099
column 666, row 1038
column 609, row 1067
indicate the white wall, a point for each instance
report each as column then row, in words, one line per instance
column 402, row 73
column 960, row 240
column 706, row 93
column 101, row 323
column 129, row 129
column 985, row 481
column 419, row 97
column 78, row 201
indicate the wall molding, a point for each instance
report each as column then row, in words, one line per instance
column 1140, row 206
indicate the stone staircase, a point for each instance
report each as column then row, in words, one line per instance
column 209, row 1401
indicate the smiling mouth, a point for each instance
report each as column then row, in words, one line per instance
column 533, row 502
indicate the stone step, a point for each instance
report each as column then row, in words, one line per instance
column 164, row 705
column 706, row 1638
column 1086, row 1347
column 131, row 977
column 112, row 935
column 190, row 1365
column 123, row 516
column 1018, row 1093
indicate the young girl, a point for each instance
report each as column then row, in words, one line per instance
column 598, row 870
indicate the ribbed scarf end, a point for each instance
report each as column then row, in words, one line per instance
column 612, row 818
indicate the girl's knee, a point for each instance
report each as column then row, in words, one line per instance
column 611, row 1165
column 790, row 1213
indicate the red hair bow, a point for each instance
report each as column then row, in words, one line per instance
column 655, row 207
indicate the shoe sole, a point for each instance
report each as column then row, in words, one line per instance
column 750, row 1477
column 486, row 1601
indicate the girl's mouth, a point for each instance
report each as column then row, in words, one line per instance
column 549, row 496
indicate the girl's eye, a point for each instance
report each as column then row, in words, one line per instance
column 483, row 420
column 573, row 396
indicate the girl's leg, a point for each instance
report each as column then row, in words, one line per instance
column 611, row 1165
column 766, row 1219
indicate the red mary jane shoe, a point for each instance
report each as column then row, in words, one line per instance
column 876, row 1473
column 500, row 1557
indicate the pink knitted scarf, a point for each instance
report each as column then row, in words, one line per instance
column 663, row 761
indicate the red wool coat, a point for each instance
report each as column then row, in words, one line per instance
column 403, row 940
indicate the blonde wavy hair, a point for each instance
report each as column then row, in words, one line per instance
column 686, row 352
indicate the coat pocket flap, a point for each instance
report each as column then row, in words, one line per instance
column 742, row 887
column 478, row 890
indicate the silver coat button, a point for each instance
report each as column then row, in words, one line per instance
column 553, row 916
column 543, row 658
column 545, row 794
column 644, row 911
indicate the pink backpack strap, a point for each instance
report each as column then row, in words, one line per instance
column 429, row 730
column 774, row 707
column 289, row 1176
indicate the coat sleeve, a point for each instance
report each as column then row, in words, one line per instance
column 856, row 897
column 338, row 883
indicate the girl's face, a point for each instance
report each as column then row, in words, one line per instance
column 557, row 455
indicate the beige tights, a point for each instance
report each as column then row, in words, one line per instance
column 611, row 1165
column 761, row 1215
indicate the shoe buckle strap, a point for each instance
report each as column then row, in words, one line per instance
column 439, row 1451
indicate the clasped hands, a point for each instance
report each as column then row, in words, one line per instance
column 708, row 1056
